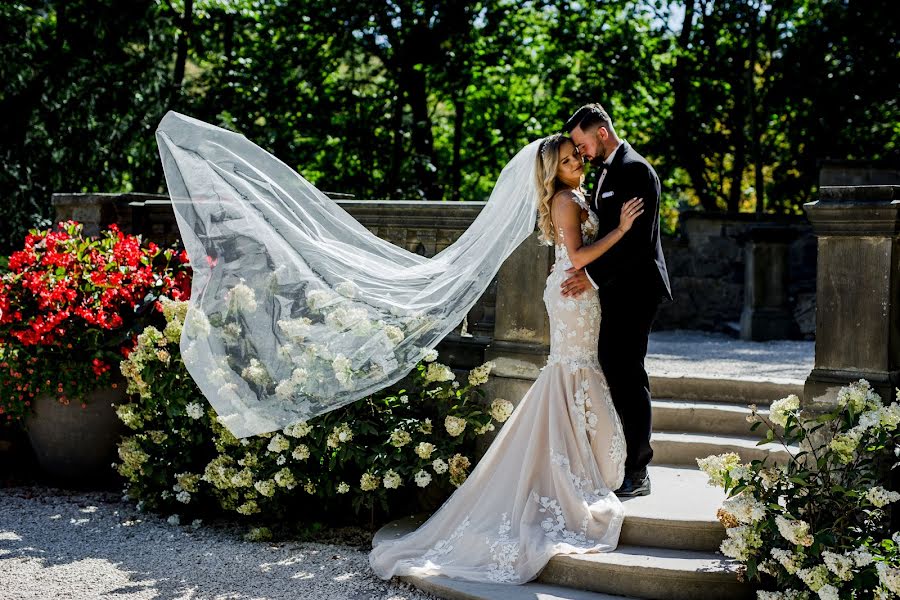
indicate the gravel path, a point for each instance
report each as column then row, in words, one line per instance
column 85, row 545
column 714, row 355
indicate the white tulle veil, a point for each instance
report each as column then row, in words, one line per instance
column 296, row 309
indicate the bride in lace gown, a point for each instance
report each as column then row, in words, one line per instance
column 544, row 486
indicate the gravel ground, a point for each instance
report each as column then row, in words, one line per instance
column 713, row 355
column 83, row 545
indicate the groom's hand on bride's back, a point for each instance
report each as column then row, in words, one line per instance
column 576, row 283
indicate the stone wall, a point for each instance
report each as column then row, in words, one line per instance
column 706, row 261
column 706, row 266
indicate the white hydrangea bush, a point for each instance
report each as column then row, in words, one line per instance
column 817, row 526
column 385, row 451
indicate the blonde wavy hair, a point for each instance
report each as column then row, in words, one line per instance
column 547, row 183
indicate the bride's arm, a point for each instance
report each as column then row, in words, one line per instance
column 566, row 215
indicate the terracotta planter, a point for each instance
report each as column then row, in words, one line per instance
column 75, row 444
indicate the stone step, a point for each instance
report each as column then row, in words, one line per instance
column 731, row 391
column 679, row 513
column 453, row 589
column 683, row 448
column 705, row 417
column 650, row 573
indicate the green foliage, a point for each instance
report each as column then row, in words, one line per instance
column 734, row 102
column 821, row 522
column 396, row 450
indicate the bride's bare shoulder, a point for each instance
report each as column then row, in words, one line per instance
column 559, row 198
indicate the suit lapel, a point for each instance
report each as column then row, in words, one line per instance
column 610, row 173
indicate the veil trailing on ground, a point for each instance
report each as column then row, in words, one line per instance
column 296, row 309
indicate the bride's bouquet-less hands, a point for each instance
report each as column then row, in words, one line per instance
column 417, row 434
column 70, row 306
column 819, row 525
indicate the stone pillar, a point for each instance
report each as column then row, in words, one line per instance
column 767, row 314
column 858, row 291
column 521, row 328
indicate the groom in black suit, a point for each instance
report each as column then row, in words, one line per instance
column 631, row 280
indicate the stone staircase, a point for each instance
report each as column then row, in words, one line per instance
column 668, row 549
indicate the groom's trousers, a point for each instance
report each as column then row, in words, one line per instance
column 625, row 324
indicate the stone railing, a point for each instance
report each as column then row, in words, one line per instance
column 423, row 227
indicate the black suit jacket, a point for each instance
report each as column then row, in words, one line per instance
column 635, row 265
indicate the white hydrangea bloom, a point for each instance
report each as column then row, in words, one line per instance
column 437, row 372
column 194, row 410
column 796, row 532
column 241, row 298
column 430, row 356
column 369, row 482
column 394, row 334
column 183, row 497
column 479, row 375
column 278, row 443
column 318, row 299
column 840, row 565
column 298, row 429
column 391, row 480
column 845, row 444
column 745, row 508
column 400, row 438
column 814, row 577
column 454, row 425
column 501, row 409
column 717, row 465
column 255, row 373
column 425, row 426
column 881, row 497
column 424, row 450
column 295, row 329
column 423, row 478
column 828, row 592
column 266, row 488
column 889, row 576
column 285, row 478
column 861, row 557
column 439, row 466
column 343, row 488
column 741, row 543
column 301, row 452
column 890, row 416
column 340, row 434
column 781, row 409
column 347, row 289
column 342, row 369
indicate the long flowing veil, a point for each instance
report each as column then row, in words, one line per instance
column 296, row 309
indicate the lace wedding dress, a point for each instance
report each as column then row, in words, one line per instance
column 544, row 486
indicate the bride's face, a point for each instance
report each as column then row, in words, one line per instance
column 570, row 169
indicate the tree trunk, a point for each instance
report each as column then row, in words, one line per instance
column 413, row 80
column 181, row 49
column 686, row 146
column 456, row 167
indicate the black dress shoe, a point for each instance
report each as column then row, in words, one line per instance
column 634, row 486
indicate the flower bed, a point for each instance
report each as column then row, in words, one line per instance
column 820, row 524
column 382, row 452
column 69, row 308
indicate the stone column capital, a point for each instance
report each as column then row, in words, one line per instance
column 868, row 210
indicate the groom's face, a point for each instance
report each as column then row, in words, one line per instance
column 589, row 144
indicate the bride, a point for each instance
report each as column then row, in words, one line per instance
column 544, row 486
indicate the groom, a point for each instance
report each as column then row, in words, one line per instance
column 631, row 280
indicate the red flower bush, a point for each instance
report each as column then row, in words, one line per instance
column 70, row 307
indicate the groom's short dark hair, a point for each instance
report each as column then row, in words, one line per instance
column 588, row 117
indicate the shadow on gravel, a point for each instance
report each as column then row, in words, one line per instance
column 60, row 543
